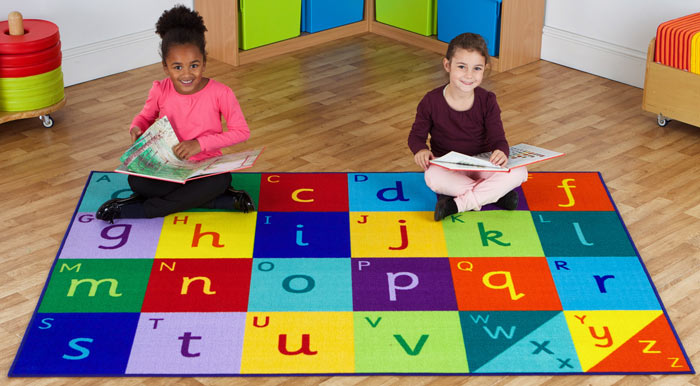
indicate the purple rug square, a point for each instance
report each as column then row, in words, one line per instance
column 188, row 343
column 89, row 238
column 402, row 284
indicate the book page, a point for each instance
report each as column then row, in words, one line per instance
column 458, row 161
column 524, row 154
column 230, row 162
column 150, row 164
column 152, row 154
column 160, row 138
column 520, row 155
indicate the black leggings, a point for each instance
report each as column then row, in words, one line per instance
column 164, row 198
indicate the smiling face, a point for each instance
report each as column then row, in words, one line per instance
column 466, row 69
column 185, row 67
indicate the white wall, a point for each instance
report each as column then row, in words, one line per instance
column 608, row 38
column 99, row 37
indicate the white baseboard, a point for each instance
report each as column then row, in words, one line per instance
column 597, row 57
column 107, row 57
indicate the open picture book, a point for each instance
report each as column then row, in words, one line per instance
column 520, row 155
column 152, row 156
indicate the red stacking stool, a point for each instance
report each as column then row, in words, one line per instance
column 31, row 80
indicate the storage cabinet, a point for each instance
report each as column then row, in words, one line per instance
column 320, row 15
column 520, row 33
column 669, row 92
column 269, row 21
column 419, row 16
column 484, row 19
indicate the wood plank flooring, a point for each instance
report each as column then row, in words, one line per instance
column 348, row 106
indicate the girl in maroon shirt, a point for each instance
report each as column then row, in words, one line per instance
column 464, row 117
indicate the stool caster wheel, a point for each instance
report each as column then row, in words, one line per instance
column 46, row 120
column 662, row 121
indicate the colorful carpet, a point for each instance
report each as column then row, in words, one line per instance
column 347, row 273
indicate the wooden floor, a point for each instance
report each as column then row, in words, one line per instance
column 348, row 106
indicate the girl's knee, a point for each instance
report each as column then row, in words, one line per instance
column 215, row 184
column 431, row 178
column 520, row 173
column 224, row 180
column 139, row 185
column 428, row 178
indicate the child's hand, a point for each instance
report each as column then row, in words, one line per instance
column 423, row 158
column 187, row 149
column 135, row 133
column 498, row 158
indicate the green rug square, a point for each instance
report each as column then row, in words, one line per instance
column 409, row 342
column 97, row 285
column 492, row 234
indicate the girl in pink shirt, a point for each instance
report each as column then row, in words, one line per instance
column 194, row 106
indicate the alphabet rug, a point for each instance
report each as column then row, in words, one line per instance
column 348, row 273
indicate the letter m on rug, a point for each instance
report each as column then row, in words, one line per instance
column 94, row 284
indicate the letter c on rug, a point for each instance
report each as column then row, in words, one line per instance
column 296, row 193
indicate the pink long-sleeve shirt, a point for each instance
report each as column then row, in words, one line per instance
column 197, row 116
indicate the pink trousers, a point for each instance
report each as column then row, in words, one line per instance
column 472, row 190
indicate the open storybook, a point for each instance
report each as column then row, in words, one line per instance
column 152, row 156
column 520, row 155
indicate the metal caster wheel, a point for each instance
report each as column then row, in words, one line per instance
column 46, row 120
column 662, row 121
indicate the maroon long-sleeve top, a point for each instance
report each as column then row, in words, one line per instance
column 469, row 132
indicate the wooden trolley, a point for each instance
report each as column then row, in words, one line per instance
column 671, row 93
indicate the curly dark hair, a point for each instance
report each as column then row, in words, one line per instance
column 470, row 42
column 181, row 25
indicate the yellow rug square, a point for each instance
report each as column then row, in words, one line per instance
column 396, row 234
column 298, row 342
column 207, row 235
